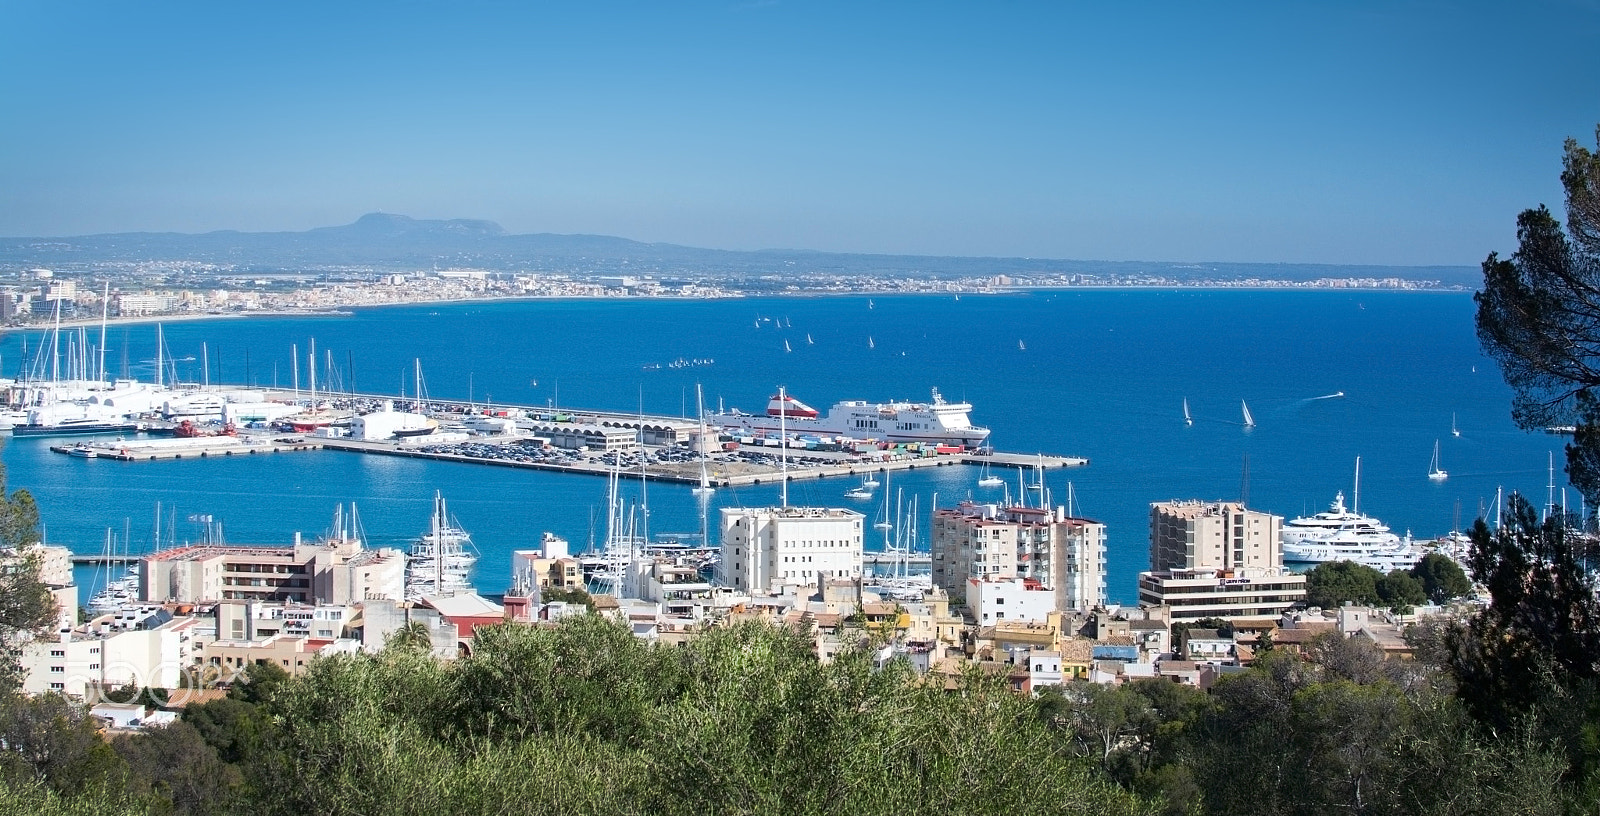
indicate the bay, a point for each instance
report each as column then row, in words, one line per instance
column 1100, row 373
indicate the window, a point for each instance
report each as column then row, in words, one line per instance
column 58, row 686
column 57, row 669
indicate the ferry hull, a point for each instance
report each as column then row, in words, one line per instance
column 73, row 430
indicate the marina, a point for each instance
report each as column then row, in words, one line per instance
column 588, row 442
column 1104, row 390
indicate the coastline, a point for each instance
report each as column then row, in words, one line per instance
column 345, row 309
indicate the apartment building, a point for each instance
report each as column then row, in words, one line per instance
column 988, row 542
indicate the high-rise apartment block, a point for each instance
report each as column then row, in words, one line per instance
column 1218, row 560
column 1213, row 535
column 987, row 542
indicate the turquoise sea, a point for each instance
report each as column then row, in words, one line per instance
column 1095, row 373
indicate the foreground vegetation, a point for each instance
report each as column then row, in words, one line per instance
column 585, row 718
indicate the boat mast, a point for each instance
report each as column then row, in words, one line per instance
column 161, row 345
column 105, row 307
column 311, row 372
column 55, row 348
column 294, row 360
column 1356, row 508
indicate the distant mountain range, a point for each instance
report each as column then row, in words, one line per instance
column 387, row 241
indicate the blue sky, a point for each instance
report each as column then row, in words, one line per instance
column 1350, row 132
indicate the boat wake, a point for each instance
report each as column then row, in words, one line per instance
column 1334, row 395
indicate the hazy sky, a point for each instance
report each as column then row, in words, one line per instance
column 1339, row 132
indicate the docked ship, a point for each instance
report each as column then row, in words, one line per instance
column 440, row 561
column 938, row 421
column 1341, row 534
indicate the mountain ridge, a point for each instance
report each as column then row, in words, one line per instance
column 392, row 241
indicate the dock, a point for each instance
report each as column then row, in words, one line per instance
column 661, row 436
column 152, row 449
column 803, row 465
column 107, row 559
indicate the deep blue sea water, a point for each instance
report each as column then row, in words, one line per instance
column 1103, row 375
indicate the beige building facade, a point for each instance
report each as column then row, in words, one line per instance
column 988, row 542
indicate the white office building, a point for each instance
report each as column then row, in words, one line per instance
column 776, row 549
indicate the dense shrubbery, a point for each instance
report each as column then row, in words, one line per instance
column 584, row 718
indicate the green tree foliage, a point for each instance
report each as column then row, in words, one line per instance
column 39, row 799
column 1400, row 591
column 26, row 605
column 258, row 682
column 1331, row 583
column 1533, row 655
column 585, row 718
column 27, row 609
column 19, row 518
column 50, row 740
column 571, row 596
column 1442, row 578
column 175, row 764
column 1539, row 316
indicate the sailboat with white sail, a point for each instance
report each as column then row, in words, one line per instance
column 1454, row 431
column 986, row 478
column 1249, row 421
column 1436, row 473
column 1187, row 420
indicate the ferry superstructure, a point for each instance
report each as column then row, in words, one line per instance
column 937, row 421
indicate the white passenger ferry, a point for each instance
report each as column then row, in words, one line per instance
column 937, row 422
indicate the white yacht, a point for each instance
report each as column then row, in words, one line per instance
column 440, row 561
column 1346, row 535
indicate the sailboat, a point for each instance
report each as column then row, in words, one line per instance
column 1454, row 431
column 871, row 344
column 1038, row 477
column 1435, row 473
column 1249, row 421
column 704, row 488
column 1021, row 346
column 861, row 492
column 1187, row 420
column 786, row 346
column 883, row 519
column 809, row 341
column 988, row 479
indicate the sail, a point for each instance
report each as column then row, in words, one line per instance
column 1249, row 421
column 1187, row 420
